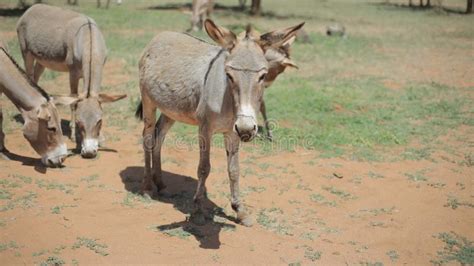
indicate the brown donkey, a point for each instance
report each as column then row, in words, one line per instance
column 42, row 126
column 217, row 88
column 63, row 40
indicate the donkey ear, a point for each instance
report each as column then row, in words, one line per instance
column 289, row 63
column 220, row 35
column 279, row 38
column 64, row 100
column 106, row 98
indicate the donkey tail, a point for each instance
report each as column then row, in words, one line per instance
column 139, row 112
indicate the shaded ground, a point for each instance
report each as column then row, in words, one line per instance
column 391, row 182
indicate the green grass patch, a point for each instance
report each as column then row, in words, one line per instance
column 55, row 185
column 91, row 244
column 271, row 220
column 52, row 261
column 455, row 203
column 26, row 201
column 456, row 249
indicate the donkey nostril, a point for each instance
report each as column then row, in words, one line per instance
column 254, row 127
column 237, row 130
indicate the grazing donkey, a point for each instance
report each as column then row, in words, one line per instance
column 42, row 126
column 63, row 40
column 217, row 88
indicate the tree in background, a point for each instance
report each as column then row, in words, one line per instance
column 469, row 7
column 256, row 8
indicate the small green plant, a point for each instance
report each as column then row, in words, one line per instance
column 57, row 209
column 457, row 249
column 454, row 203
column 91, row 244
column 322, row 200
column 25, row 202
column 311, row 254
column 89, row 178
column 418, row 176
column 8, row 245
column 5, row 194
column 269, row 219
column 54, row 185
column 341, row 194
column 374, row 175
column 24, row 179
column 178, row 232
column 54, row 261
column 393, row 255
column 131, row 200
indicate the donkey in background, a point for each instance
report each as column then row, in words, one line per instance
column 218, row 89
column 63, row 40
column 42, row 127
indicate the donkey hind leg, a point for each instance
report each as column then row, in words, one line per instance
column 29, row 64
column 39, row 69
column 199, row 216
column 232, row 143
column 162, row 126
column 149, row 120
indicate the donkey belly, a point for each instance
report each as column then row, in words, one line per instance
column 179, row 104
column 53, row 65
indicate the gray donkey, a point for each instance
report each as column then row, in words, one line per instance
column 42, row 127
column 217, row 88
column 63, row 40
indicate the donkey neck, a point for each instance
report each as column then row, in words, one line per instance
column 17, row 86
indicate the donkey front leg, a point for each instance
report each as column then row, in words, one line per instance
column 162, row 126
column 198, row 217
column 149, row 120
column 232, row 142
column 74, row 76
column 2, row 135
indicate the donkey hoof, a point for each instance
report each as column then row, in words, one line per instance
column 245, row 219
column 198, row 218
column 148, row 193
column 160, row 186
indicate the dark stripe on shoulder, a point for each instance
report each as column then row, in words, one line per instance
column 211, row 64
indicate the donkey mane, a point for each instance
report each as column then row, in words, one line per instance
column 23, row 73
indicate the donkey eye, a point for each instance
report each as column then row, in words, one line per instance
column 52, row 129
column 262, row 78
column 229, row 77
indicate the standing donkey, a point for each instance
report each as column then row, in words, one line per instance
column 200, row 9
column 217, row 88
column 63, row 40
column 278, row 60
column 42, row 126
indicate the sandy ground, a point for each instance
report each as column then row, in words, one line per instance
column 300, row 207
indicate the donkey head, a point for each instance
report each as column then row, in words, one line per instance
column 42, row 129
column 278, row 57
column 246, row 68
column 89, row 121
column 278, row 60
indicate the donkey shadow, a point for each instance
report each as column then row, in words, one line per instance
column 179, row 191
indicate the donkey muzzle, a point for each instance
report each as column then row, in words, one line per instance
column 56, row 157
column 89, row 148
column 246, row 128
